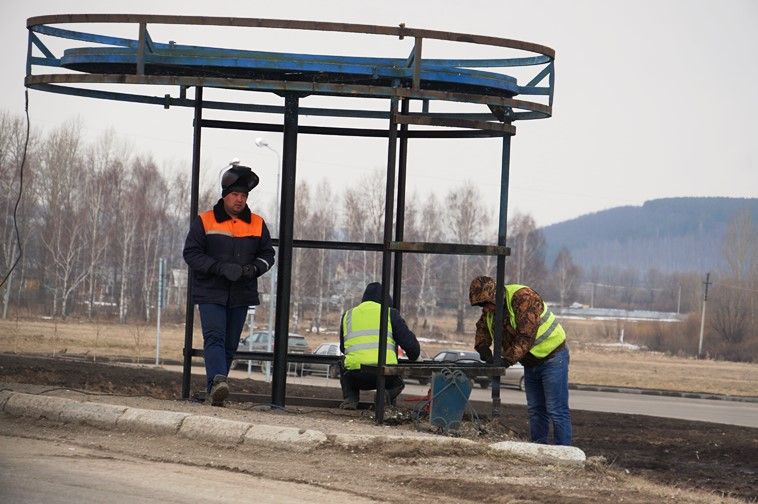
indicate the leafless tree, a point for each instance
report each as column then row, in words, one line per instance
column 426, row 228
column 565, row 274
column 302, row 230
column 527, row 263
column 741, row 247
column 105, row 161
column 466, row 219
column 323, row 222
column 60, row 188
column 734, row 297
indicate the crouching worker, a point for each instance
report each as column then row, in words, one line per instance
column 532, row 336
column 227, row 248
column 359, row 342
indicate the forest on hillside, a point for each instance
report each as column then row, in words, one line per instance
column 95, row 218
column 668, row 234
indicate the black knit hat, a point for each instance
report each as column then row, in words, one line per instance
column 238, row 179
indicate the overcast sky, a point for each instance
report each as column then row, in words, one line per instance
column 653, row 99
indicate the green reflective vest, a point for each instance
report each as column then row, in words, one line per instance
column 550, row 333
column 360, row 327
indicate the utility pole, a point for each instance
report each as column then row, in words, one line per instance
column 159, row 308
column 702, row 316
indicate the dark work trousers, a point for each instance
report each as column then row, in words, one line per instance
column 353, row 381
column 222, row 327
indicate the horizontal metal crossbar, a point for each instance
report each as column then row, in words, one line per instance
column 354, row 132
column 425, row 120
column 430, row 367
column 355, row 90
column 449, row 248
column 269, row 356
column 334, row 245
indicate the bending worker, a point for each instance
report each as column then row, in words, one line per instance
column 227, row 248
column 359, row 341
column 532, row 336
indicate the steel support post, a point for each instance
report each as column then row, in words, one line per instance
column 284, row 261
column 386, row 261
column 189, row 311
column 500, row 275
column 397, row 286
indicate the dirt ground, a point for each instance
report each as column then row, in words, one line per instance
column 632, row 458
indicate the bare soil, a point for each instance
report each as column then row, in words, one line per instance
column 632, row 458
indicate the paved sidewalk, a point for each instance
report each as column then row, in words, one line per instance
column 227, row 432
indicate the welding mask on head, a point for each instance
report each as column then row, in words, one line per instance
column 238, row 179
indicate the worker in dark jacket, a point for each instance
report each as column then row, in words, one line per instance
column 227, row 248
column 532, row 336
column 359, row 341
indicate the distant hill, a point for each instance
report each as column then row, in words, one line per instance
column 671, row 234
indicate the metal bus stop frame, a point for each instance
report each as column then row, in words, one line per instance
column 143, row 61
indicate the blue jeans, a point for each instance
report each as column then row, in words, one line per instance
column 547, row 399
column 222, row 327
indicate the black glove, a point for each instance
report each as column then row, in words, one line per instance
column 230, row 271
column 485, row 354
column 249, row 271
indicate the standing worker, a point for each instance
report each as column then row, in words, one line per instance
column 227, row 248
column 359, row 341
column 532, row 336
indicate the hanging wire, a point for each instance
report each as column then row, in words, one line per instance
column 20, row 190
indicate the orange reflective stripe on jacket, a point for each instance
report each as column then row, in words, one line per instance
column 234, row 228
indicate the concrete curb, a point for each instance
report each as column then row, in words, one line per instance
column 102, row 416
column 664, row 393
column 151, row 421
column 215, row 430
column 568, row 455
column 4, row 396
column 35, row 406
column 302, row 438
column 231, row 432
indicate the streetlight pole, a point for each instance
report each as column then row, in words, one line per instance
column 262, row 143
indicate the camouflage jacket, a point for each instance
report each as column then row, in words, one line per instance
column 517, row 341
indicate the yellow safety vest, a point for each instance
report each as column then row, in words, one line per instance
column 360, row 327
column 550, row 333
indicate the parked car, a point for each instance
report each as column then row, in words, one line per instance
column 464, row 357
column 259, row 343
column 514, row 375
column 329, row 370
column 419, row 375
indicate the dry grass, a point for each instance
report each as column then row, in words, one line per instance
column 590, row 363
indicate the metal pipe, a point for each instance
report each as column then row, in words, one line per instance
column 284, row 261
column 189, row 311
column 397, row 286
column 500, row 275
column 386, row 261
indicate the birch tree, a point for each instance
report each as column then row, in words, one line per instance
column 565, row 274
column 527, row 262
column 466, row 219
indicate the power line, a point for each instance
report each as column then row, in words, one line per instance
column 20, row 190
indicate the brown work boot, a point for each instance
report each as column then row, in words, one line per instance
column 219, row 391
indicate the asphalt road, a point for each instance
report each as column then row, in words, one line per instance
column 705, row 410
column 52, row 472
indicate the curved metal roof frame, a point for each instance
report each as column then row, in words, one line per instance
column 144, row 61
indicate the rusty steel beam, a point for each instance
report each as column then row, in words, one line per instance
column 291, row 24
column 450, row 122
column 449, row 248
column 355, row 90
